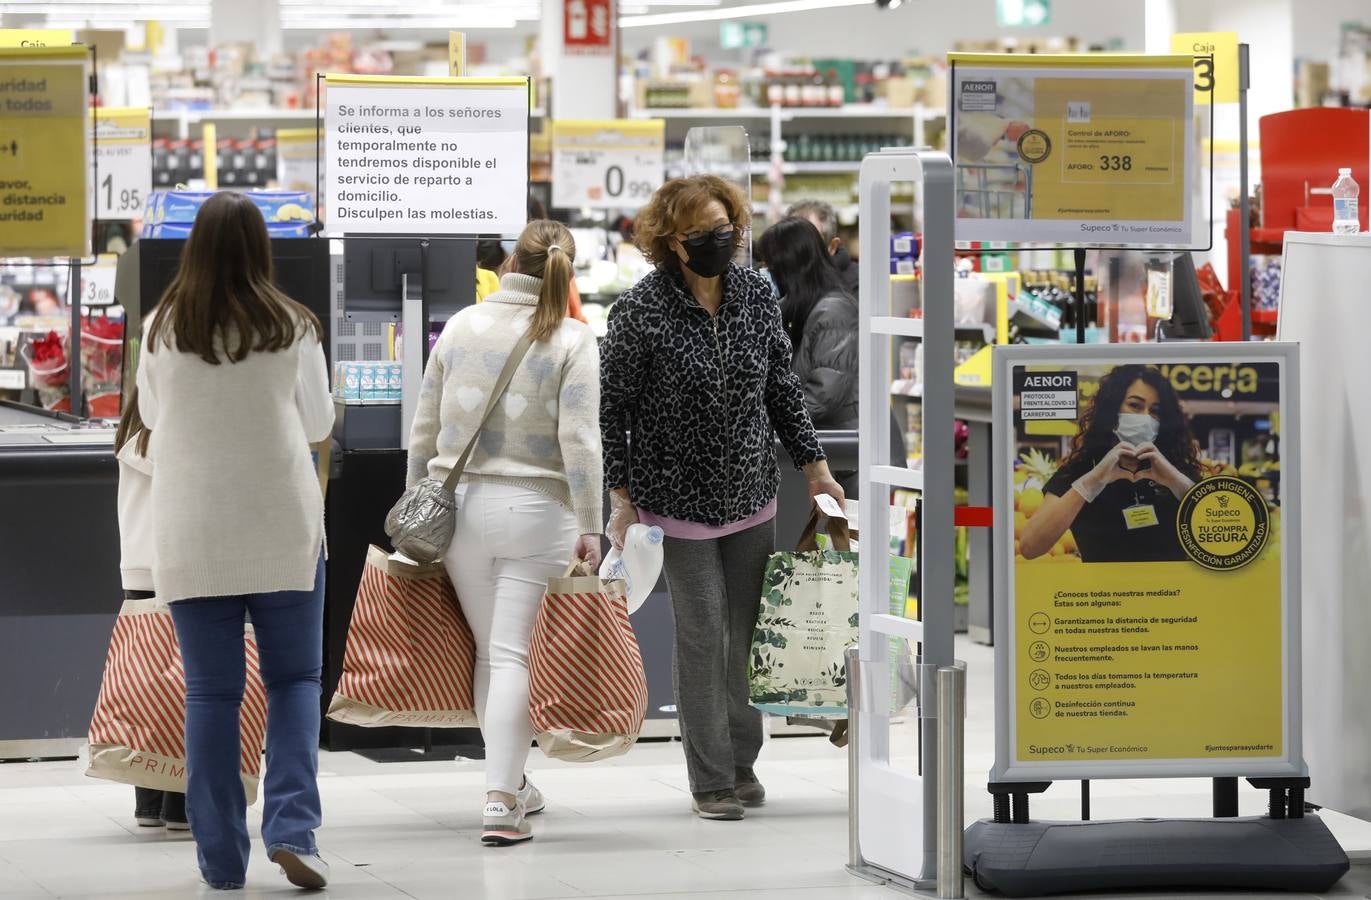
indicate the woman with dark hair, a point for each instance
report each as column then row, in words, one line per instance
column 820, row 317
column 1120, row 488
column 233, row 385
column 696, row 367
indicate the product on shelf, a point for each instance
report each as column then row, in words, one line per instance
column 47, row 361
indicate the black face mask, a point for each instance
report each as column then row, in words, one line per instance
column 709, row 254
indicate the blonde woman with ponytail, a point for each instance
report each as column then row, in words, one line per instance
column 530, row 497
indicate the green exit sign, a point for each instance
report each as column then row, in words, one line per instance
column 1023, row 13
column 741, row 35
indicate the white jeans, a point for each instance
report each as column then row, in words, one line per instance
column 509, row 541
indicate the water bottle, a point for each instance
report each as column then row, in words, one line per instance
column 1345, row 193
column 639, row 564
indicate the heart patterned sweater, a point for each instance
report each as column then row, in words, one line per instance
column 544, row 434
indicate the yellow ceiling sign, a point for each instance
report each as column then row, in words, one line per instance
column 35, row 37
column 1216, row 63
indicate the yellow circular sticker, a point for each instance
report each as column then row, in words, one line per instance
column 1034, row 146
column 1223, row 523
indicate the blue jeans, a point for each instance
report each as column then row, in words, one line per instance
column 289, row 626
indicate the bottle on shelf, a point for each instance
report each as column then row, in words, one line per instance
column 1345, row 191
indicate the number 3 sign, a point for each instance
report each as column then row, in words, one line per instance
column 123, row 154
column 615, row 164
column 1216, row 63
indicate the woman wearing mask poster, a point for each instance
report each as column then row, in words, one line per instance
column 1120, row 488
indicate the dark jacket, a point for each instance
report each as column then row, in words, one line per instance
column 848, row 268
column 826, row 362
column 701, row 397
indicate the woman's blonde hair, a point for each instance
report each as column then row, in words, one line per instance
column 546, row 250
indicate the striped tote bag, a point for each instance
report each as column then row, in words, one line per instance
column 410, row 658
column 587, row 689
column 138, row 730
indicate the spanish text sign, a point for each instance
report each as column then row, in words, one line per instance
column 44, row 143
column 1149, row 623
column 426, row 155
column 1073, row 150
column 123, row 162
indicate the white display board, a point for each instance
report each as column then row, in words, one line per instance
column 1072, row 150
column 410, row 155
column 1147, row 561
column 123, row 159
column 613, row 164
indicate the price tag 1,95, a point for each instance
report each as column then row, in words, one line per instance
column 123, row 153
column 616, row 164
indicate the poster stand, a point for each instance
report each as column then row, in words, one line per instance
column 1092, row 653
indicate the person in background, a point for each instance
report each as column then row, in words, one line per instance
column 696, row 366
column 531, row 493
column 820, row 317
column 234, row 387
column 825, row 218
column 492, row 262
column 152, row 808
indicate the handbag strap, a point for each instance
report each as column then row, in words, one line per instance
column 837, row 531
column 516, row 356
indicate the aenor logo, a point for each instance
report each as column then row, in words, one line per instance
column 978, row 96
column 1046, row 395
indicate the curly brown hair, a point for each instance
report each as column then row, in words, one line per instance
column 1174, row 439
column 676, row 202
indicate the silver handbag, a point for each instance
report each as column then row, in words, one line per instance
column 421, row 524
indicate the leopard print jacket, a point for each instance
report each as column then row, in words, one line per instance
column 700, row 398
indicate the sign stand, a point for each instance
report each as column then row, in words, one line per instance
column 1190, row 601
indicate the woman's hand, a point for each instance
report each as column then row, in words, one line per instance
column 1162, row 471
column 622, row 513
column 821, row 481
column 1106, row 472
column 588, row 550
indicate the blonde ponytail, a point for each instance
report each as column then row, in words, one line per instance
column 547, row 251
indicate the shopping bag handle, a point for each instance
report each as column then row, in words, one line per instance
column 578, row 568
column 837, row 531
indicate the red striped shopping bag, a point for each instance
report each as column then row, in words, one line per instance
column 587, row 689
column 138, row 730
column 410, row 658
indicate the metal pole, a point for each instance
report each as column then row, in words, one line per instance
column 951, row 682
column 77, row 406
column 854, row 731
column 1244, row 208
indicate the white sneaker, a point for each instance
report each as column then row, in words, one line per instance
column 531, row 799
column 504, row 826
column 308, row 872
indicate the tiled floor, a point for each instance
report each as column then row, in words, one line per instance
column 619, row 829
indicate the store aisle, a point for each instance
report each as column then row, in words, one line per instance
column 620, row 829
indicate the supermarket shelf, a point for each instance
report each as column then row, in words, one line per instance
column 982, row 331
column 791, row 113
column 232, row 115
column 701, row 113
column 809, row 168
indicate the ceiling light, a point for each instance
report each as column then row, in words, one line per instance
column 735, row 12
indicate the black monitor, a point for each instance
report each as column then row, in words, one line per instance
column 1189, row 315
column 375, row 270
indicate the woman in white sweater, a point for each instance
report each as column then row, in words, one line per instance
column 233, row 384
column 530, row 496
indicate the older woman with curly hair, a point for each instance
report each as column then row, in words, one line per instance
column 695, row 381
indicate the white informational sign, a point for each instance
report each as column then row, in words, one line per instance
column 297, row 156
column 123, row 159
column 1075, row 150
column 410, row 155
column 614, row 164
column 97, row 283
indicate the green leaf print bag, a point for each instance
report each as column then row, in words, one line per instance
column 807, row 620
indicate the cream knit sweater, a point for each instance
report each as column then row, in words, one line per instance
column 544, row 434
column 236, row 507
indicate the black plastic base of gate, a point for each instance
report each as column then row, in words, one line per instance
column 1037, row 858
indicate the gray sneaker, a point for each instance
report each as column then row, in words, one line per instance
column 749, row 790
column 308, row 872
column 531, row 799
column 721, row 806
column 504, row 826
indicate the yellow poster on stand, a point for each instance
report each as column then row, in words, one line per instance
column 1150, row 624
column 44, row 155
column 1072, row 150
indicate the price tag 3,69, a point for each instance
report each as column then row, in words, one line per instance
column 97, row 283
column 123, row 154
column 615, row 164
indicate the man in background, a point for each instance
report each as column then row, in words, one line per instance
column 825, row 218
